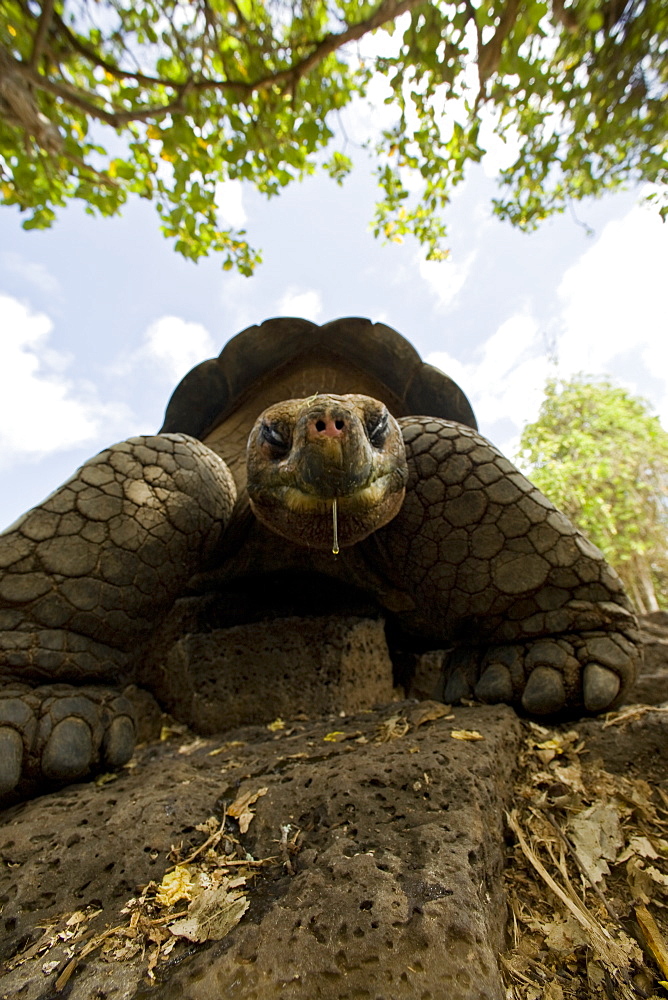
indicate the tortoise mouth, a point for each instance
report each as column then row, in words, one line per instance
column 311, row 501
column 331, row 522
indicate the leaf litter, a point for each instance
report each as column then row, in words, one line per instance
column 202, row 897
column 587, row 878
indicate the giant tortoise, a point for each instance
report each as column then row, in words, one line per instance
column 328, row 453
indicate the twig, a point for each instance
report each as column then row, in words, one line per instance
column 653, row 938
column 612, row 956
column 215, row 837
column 634, row 712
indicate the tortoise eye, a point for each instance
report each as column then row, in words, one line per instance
column 271, row 435
column 377, row 428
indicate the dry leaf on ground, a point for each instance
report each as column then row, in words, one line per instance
column 596, row 834
column 240, row 808
column 429, row 711
column 392, row 729
column 212, row 914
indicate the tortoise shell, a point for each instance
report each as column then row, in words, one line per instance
column 220, row 399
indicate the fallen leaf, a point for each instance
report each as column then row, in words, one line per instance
column 175, row 885
column 551, row 744
column 212, row 915
column 225, row 747
column 564, row 935
column 596, row 834
column 466, row 734
column 392, row 729
column 428, row 711
column 106, row 778
column 656, row 875
column 571, row 776
column 240, row 808
column 197, row 744
column 640, row 846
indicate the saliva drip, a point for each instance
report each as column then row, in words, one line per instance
column 335, row 526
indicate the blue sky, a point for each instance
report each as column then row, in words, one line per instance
column 99, row 318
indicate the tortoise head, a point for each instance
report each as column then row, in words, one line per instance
column 324, row 466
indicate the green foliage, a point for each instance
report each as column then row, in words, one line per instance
column 601, row 457
column 163, row 99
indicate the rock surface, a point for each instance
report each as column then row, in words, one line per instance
column 209, row 679
column 395, row 891
column 387, row 842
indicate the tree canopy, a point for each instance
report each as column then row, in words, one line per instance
column 164, row 99
column 601, row 456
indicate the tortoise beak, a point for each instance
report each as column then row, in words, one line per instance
column 335, row 456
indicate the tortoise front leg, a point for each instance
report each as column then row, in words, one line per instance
column 537, row 616
column 86, row 577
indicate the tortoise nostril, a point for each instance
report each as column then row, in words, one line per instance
column 329, row 426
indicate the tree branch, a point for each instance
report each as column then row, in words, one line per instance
column 82, row 99
column 98, row 60
column 489, row 54
column 45, row 19
column 388, row 10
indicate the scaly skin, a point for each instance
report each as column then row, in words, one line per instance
column 485, row 563
column 493, row 565
column 87, row 575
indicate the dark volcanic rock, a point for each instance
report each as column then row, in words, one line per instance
column 651, row 688
column 396, row 892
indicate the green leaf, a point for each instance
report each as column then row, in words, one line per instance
column 252, row 89
column 602, row 457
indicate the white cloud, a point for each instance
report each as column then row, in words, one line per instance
column 505, row 382
column 30, row 271
column 500, row 151
column 614, row 302
column 175, row 345
column 40, row 410
column 307, row 304
column 446, row 278
column 230, row 204
column 612, row 321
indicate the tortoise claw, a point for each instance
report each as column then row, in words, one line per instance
column 69, row 750
column 495, row 685
column 119, row 741
column 58, row 733
column 600, row 687
column 544, row 692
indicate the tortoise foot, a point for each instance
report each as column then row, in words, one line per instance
column 586, row 671
column 58, row 733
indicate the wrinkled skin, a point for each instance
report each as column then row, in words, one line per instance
column 305, row 454
column 431, row 519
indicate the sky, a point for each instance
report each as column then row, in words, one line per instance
column 99, row 319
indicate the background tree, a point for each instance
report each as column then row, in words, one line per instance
column 600, row 455
column 103, row 99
